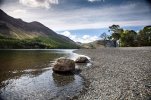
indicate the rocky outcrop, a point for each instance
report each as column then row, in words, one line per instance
column 81, row 60
column 64, row 65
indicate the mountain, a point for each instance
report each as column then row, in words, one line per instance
column 15, row 33
column 93, row 45
column 79, row 43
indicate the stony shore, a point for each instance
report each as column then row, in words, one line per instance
column 118, row 74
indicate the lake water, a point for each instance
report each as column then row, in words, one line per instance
column 28, row 75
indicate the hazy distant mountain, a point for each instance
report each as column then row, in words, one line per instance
column 93, row 45
column 79, row 43
column 15, row 33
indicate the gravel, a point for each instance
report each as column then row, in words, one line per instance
column 117, row 74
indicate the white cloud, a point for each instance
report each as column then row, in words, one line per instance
column 69, row 34
column 82, row 39
column 96, row 0
column 38, row 3
column 66, row 33
column 88, row 38
column 19, row 11
column 84, row 18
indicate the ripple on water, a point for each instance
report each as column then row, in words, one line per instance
column 27, row 75
column 42, row 85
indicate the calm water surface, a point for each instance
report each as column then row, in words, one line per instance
column 28, row 75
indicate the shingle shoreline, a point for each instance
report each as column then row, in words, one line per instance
column 117, row 74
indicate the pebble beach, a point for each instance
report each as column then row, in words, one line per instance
column 117, row 74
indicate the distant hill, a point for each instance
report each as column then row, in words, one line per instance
column 93, row 45
column 15, row 33
column 79, row 43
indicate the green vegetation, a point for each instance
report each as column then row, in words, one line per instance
column 38, row 42
column 17, row 34
column 130, row 38
column 144, row 36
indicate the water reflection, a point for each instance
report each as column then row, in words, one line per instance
column 26, row 59
column 62, row 80
column 27, row 75
column 84, row 65
column 41, row 85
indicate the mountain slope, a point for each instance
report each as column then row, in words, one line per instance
column 93, row 45
column 15, row 33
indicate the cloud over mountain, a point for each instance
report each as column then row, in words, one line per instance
column 95, row 0
column 62, row 15
column 83, row 39
column 39, row 3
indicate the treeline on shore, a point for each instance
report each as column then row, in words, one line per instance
column 36, row 43
column 129, row 38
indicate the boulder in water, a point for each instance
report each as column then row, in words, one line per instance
column 64, row 65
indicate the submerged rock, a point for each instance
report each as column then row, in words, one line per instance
column 64, row 65
column 82, row 60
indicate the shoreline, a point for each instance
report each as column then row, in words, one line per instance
column 117, row 73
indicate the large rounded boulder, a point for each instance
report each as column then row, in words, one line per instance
column 64, row 65
column 82, row 60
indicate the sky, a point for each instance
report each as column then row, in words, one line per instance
column 81, row 20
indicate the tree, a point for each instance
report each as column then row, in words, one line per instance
column 114, row 28
column 128, row 38
column 116, row 32
column 144, row 36
column 104, row 36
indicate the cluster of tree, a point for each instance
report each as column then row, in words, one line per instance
column 36, row 43
column 129, row 38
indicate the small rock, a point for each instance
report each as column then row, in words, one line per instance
column 81, row 60
column 148, row 85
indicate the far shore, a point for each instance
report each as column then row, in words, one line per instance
column 117, row 74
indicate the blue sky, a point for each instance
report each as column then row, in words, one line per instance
column 81, row 20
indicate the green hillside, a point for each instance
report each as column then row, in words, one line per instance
column 17, row 34
column 35, row 43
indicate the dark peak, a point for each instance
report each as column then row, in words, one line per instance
column 38, row 24
column 2, row 12
column 19, row 19
column 35, row 22
column 4, row 15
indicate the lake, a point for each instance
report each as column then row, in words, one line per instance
column 28, row 75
